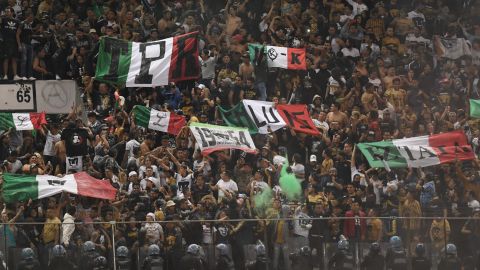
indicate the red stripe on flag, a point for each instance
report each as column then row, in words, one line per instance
column 91, row 187
column 450, row 146
column 184, row 63
column 176, row 123
column 38, row 119
column 296, row 116
column 296, row 58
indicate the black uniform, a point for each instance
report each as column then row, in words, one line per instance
column 260, row 264
column 29, row 265
column 421, row 263
column 123, row 264
column 372, row 262
column 190, row 262
column 61, row 263
column 9, row 31
column 153, row 263
column 450, row 263
column 342, row 261
column 396, row 259
column 87, row 260
column 225, row 263
column 302, row 262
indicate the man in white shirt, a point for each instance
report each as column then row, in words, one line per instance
column 357, row 6
column 225, row 185
column 68, row 225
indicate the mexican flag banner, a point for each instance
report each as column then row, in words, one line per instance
column 238, row 117
column 211, row 138
column 19, row 187
column 22, row 121
column 418, row 152
column 287, row 58
column 148, row 64
column 158, row 120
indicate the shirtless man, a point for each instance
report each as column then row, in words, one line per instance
column 337, row 116
column 61, row 153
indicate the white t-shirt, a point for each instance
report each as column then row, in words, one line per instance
column 183, row 182
column 301, row 222
column 222, row 185
column 353, row 52
column 130, row 145
column 208, row 67
column 49, row 149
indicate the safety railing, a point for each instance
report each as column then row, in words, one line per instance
column 283, row 240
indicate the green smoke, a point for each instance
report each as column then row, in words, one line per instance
column 290, row 185
column 263, row 199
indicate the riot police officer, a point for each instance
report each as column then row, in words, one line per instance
column 123, row 261
column 343, row 258
column 450, row 261
column 88, row 256
column 374, row 259
column 153, row 261
column 419, row 261
column 224, row 261
column 28, row 260
column 261, row 262
column 59, row 259
column 396, row 258
column 303, row 259
column 100, row 263
column 191, row 260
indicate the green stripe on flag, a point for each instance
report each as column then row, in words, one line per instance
column 19, row 187
column 113, row 62
column 384, row 150
column 142, row 115
column 238, row 117
column 475, row 108
column 252, row 50
column 6, row 121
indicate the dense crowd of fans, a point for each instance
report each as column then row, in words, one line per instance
column 372, row 74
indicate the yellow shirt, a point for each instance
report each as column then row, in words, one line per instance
column 280, row 239
column 327, row 164
column 396, row 97
column 51, row 229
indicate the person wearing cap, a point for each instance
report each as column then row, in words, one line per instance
column 154, row 232
column 257, row 183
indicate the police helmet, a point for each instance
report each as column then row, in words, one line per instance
column 375, row 247
column 420, row 249
column 305, row 251
column 153, row 250
column 100, row 262
column 88, row 246
column 193, row 249
column 396, row 242
column 59, row 251
column 122, row 251
column 28, row 254
column 222, row 249
column 260, row 249
column 343, row 244
column 451, row 249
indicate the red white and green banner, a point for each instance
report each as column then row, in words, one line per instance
column 211, row 138
column 148, row 64
column 418, row 152
column 158, row 120
column 264, row 117
column 287, row 58
column 19, row 187
column 22, row 121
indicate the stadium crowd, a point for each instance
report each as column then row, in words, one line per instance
column 372, row 74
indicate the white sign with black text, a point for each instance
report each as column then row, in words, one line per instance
column 264, row 115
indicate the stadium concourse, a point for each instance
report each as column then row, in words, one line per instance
column 240, row 134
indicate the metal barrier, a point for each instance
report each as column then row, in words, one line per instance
column 109, row 235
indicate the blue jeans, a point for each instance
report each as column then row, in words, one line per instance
column 262, row 90
column 26, row 62
column 281, row 250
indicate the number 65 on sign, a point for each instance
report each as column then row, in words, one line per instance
column 18, row 97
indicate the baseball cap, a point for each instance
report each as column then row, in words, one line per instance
column 132, row 173
column 313, row 158
column 92, row 31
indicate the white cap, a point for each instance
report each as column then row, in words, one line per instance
column 473, row 204
column 313, row 158
column 132, row 173
column 201, row 86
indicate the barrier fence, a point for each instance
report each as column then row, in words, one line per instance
column 242, row 236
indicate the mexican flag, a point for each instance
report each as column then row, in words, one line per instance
column 287, row 58
column 418, row 152
column 158, row 120
column 475, row 108
column 19, row 187
column 149, row 64
column 22, row 121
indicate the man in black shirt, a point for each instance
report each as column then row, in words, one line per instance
column 11, row 43
column 75, row 140
column 25, row 32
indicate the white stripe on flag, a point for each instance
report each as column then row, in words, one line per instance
column 418, row 148
column 49, row 185
column 22, row 121
column 159, row 120
column 277, row 56
column 159, row 53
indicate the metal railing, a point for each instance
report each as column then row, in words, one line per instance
column 281, row 247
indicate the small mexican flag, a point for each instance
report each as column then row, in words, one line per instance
column 19, row 187
column 22, row 121
column 158, row 120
